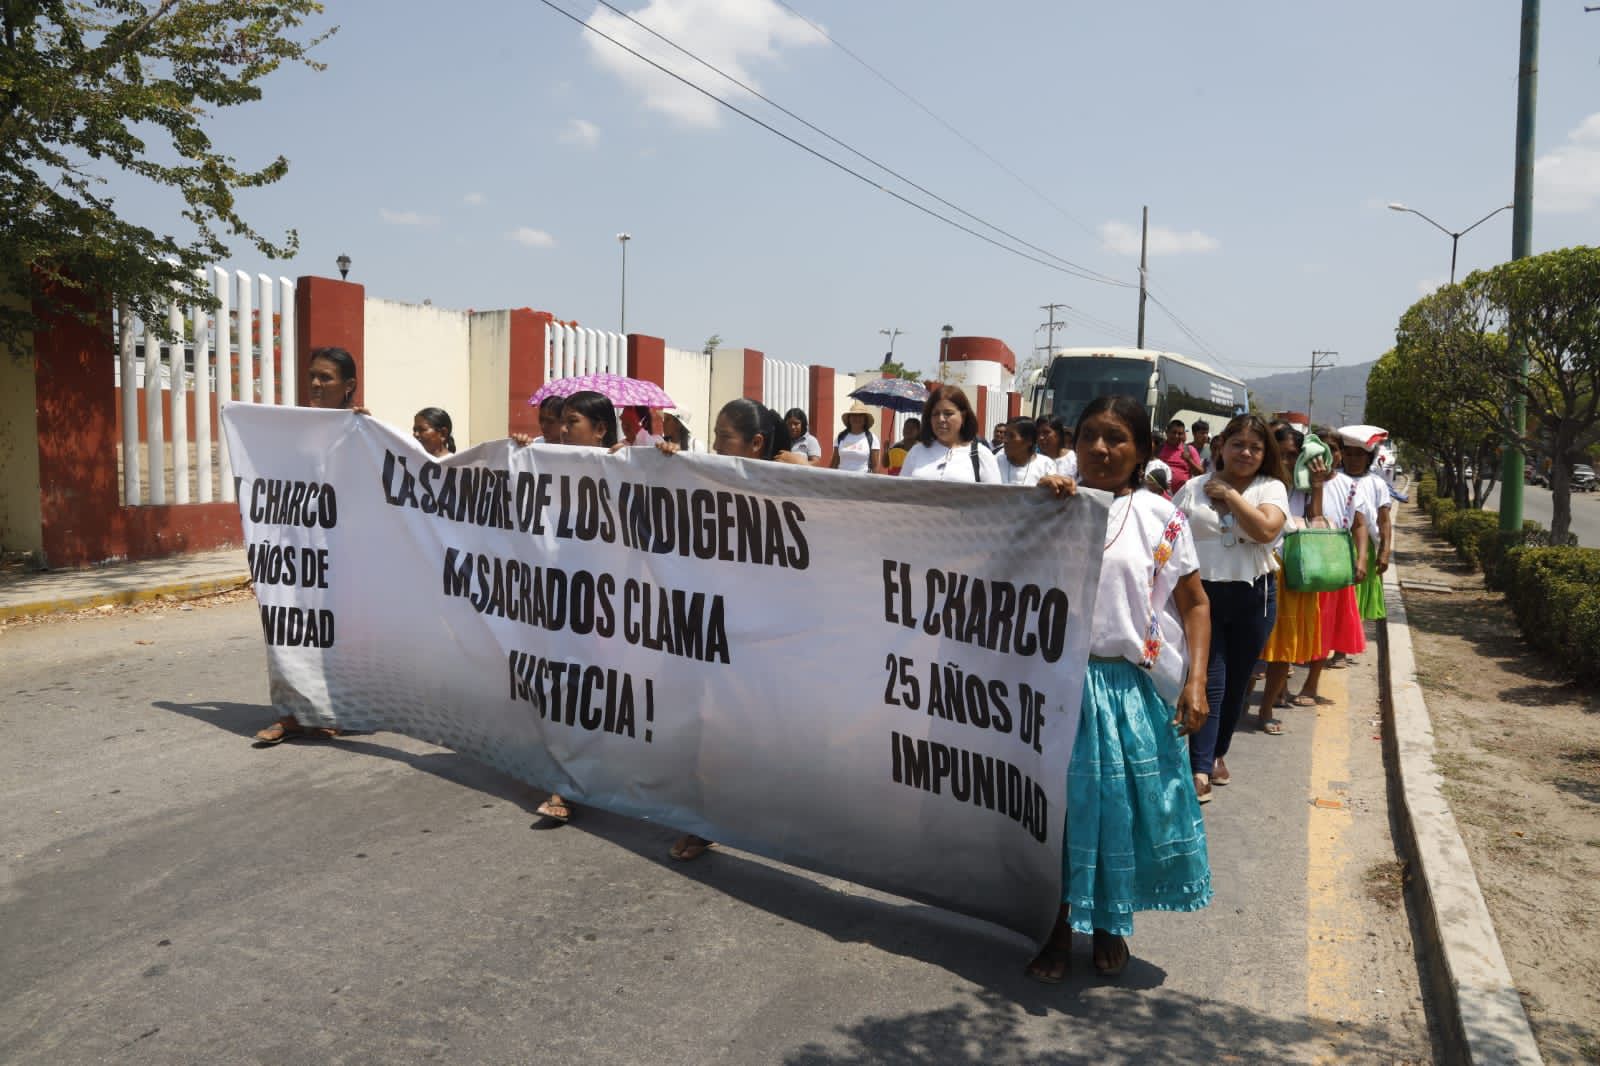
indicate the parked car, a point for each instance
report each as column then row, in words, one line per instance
column 1583, row 479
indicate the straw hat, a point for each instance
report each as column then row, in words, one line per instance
column 859, row 408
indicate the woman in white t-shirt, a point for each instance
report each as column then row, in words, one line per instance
column 949, row 448
column 1135, row 839
column 801, row 442
column 1019, row 461
column 856, row 450
column 1236, row 512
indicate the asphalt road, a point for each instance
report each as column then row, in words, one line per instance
column 1538, row 505
column 172, row 895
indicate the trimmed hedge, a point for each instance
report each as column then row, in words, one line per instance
column 1554, row 590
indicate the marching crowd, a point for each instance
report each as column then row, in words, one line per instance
column 1194, row 605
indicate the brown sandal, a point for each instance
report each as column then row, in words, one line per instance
column 1110, row 953
column 555, row 808
column 287, row 727
column 691, row 847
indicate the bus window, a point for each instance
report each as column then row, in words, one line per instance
column 1075, row 382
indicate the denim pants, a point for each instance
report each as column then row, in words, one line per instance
column 1242, row 615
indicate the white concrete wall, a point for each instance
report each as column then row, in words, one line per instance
column 21, row 519
column 489, row 378
column 416, row 357
column 687, row 379
column 727, row 381
column 971, row 373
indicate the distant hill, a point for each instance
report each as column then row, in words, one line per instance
column 1287, row 392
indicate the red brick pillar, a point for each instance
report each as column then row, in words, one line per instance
column 525, row 368
column 754, row 386
column 77, row 425
column 329, row 314
column 1013, row 405
column 647, row 358
column 980, row 404
column 819, row 380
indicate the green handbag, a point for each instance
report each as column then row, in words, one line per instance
column 1319, row 560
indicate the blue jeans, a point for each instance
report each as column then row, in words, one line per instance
column 1242, row 615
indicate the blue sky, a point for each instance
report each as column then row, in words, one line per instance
column 489, row 158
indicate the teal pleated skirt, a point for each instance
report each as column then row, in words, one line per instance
column 1135, row 837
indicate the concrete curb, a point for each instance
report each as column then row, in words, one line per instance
column 179, row 589
column 1482, row 1017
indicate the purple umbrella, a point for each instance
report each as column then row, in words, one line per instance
column 622, row 391
column 897, row 394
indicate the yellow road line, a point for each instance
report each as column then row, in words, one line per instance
column 1333, row 918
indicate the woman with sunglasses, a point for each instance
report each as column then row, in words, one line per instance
column 1236, row 513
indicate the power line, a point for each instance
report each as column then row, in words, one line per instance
column 821, row 155
column 974, row 145
column 1088, row 273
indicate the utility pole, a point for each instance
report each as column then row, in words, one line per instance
column 1320, row 361
column 1521, row 244
column 1344, row 408
column 1144, row 250
column 1051, row 326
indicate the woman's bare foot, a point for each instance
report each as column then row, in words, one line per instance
column 1219, row 772
column 690, row 847
column 1202, row 787
column 1110, row 953
column 555, row 808
column 1055, row 958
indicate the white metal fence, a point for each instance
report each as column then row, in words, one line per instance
column 574, row 350
column 245, row 351
column 785, row 385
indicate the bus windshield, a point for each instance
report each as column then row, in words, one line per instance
column 1077, row 381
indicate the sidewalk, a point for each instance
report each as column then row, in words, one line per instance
column 26, row 593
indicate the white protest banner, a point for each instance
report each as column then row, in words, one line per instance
column 874, row 678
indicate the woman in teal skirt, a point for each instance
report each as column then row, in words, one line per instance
column 1135, row 840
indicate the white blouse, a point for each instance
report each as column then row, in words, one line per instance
column 855, row 451
column 1137, row 526
column 1243, row 559
column 942, row 463
column 1067, row 464
column 1028, row 473
column 807, row 446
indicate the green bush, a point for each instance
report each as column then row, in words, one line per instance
column 1441, row 511
column 1465, row 528
column 1427, row 490
column 1555, row 596
column 1497, row 552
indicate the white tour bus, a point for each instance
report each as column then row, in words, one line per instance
column 1168, row 384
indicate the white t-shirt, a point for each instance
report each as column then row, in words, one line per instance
column 1245, row 559
column 951, row 464
column 1339, row 496
column 1028, row 473
column 1067, row 464
column 1372, row 495
column 1139, row 522
column 855, row 450
column 807, row 446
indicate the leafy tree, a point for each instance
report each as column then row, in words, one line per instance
column 899, row 370
column 83, row 84
column 713, row 342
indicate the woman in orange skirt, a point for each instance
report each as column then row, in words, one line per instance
column 1297, row 635
column 1342, row 630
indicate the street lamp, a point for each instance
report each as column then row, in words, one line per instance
column 1455, row 237
column 944, row 347
column 891, row 334
column 623, row 239
column 344, row 266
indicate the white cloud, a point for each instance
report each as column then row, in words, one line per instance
column 407, row 218
column 1568, row 179
column 1123, row 239
column 581, row 132
column 731, row 34
column 531, row 238
column 474, row 199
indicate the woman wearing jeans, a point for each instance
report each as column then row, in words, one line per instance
column 1235, row 513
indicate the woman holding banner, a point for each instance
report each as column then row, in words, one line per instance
column 331, row 386
column 1135, row 839
column 588, row 420
column 744, row 429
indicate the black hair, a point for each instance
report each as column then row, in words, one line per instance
column 339, row 358
column 1131, row 412
column 969, row 418
column 1027, row 429
column 642, row 412
column 1200, row 425
column 598, row 409
column 1174, row 422
column 439, row 419
column 552, row 405
column 748, row 418
column 905, row 427
column 805, row 423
